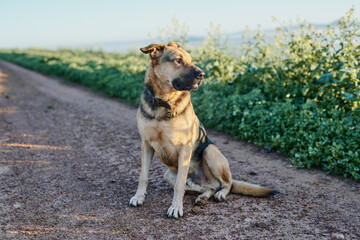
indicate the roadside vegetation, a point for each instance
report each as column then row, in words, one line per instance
column 298, row 95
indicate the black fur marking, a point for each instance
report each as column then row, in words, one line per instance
column 144, row 113
column 149, row 96
column 168, row 58
column 274, row 192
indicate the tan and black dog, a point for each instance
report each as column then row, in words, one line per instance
column 169, row 127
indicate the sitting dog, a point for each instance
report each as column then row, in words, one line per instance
column 169, row 127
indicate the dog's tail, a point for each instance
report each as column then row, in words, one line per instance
column 250, row 189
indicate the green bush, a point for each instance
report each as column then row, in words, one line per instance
column 304, row 131
column 298, row 96
column 107, row 72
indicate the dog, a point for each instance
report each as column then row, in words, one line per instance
column 169, row 127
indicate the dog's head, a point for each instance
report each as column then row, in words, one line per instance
column 172, row 66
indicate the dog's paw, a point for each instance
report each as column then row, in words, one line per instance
column 201, row 200
column 220, row 196
column 175, row 211
column 137, row 200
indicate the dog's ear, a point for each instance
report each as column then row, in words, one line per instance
column 174, row 44
column 154, row 49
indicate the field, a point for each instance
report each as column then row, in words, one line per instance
column 299, row 96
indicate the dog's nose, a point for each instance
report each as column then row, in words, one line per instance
column 201, row 75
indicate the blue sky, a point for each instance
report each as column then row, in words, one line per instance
column 53, row 23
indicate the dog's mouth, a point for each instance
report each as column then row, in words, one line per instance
column 183, row 86
column 196, row 86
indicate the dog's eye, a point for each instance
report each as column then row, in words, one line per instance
column 179, row 60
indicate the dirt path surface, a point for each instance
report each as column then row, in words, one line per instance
column 70, row 160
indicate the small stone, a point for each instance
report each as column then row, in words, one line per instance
column 252, row 173
column 218, row 213
column 17, row 205
column 247, row 220
column 196, row 209
column 337, row 236
column 260, row 225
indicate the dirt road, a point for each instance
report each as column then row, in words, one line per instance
column 70, row 160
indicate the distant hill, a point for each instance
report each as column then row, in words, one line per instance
column 233, row 40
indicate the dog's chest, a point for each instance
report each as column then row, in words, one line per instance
column 165, row 142
column 166, row 139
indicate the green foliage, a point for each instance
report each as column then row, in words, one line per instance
column 108, row 72
column 303, row 131
column 299, row 95
column 177, row 32
column 214, row 58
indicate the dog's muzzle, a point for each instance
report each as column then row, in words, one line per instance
column 189, row 83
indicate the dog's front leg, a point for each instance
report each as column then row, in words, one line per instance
column 176, row 208
column 147, row 153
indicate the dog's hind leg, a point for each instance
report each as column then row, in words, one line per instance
column 204, row 197
column 218, row 166
column 190, row 186
column 170, row 177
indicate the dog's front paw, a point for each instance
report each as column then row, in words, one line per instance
column 175, row 211
column 137, row 200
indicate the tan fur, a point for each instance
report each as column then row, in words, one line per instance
column 249, row 189
column 175, row 139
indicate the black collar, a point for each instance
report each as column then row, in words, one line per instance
column 157, row 101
